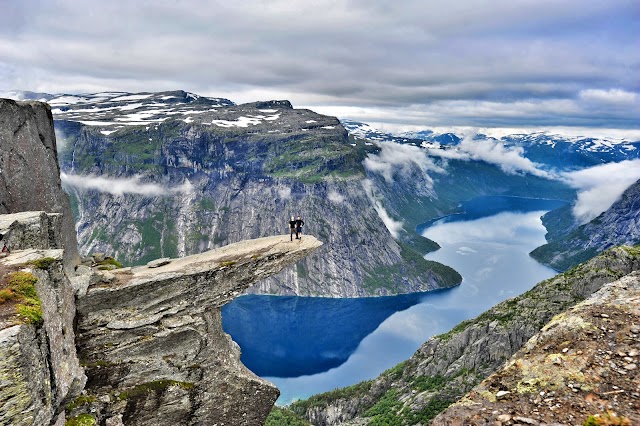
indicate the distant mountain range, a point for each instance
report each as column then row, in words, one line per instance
column 552, row 150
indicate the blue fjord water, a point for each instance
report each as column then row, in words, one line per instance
column 307, row 345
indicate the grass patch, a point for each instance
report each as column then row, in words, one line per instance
column 20, row 289
column 227, row 263
column 110, row 261
column 427, row 383
column 82, row 420
column 80, row 401
column 42, row 263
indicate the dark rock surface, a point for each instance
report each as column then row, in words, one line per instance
column 29, row 171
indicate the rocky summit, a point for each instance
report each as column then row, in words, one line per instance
column 581, row 368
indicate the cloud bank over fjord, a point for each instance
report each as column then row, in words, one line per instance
column 601, row 186
column 122, row 186
column 396, row 158
column 510, row 159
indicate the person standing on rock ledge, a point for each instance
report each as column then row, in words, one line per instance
column 299, row 225
column 292, row 228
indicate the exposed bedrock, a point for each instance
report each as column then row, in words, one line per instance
column 153, row 346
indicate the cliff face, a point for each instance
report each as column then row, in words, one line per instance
column 150, row 338
column 568, row 246
column 447, row 366
column 152, row 342
column 39, row 367
column 582, row 365
column 29, row 171
column 219, row 175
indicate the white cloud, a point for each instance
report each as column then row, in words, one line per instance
column 601, row 186
column 393, row 226
column 509, row 159
column 611, row 96
column 399, row 158
column 284, row 193
column 335, row 197
column 121, row 186
column 494, row 65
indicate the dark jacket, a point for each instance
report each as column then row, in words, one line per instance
column 299, row 223
column 292, row 224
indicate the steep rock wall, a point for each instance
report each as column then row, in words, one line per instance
column 223, row 185
column 153, row 345
column 39, row 367
column 29, row 171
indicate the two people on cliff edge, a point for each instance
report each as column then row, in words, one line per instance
column 295, row 226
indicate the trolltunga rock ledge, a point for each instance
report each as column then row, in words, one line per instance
column 152, row 343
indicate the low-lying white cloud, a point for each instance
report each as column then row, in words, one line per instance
column 601, row 186
column 510, row 159
column 284, row 193
column 399, row 158
column 121, row 186
column 335, row 197
column 392, row 225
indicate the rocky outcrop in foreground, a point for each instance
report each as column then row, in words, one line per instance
column 583, row 365
column 39, row 368
column 149, row 338
column 447, row 366
column 152, row 342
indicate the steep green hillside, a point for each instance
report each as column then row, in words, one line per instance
column 447, row 366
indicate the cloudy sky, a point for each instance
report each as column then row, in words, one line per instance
column 492, row 63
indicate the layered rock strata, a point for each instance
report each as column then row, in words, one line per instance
column 152, row 342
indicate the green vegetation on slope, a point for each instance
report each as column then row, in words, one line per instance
column 284, row 417
column 413, row 264
column 391, row 405
column 18, row 289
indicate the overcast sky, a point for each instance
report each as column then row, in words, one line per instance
column 493, row 63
